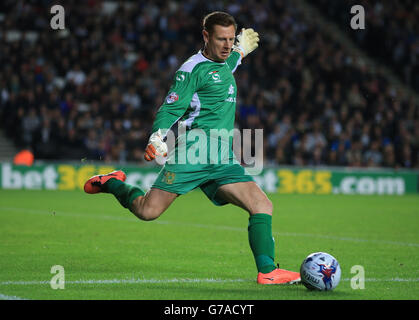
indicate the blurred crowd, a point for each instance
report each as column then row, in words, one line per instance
column 92, row 90
column 391, row 33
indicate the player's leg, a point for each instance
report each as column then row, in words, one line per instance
column 146, row 206
column 246, row 195
column 152, row 204
column 249, row 196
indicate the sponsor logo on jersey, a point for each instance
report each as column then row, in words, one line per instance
column 172, row 97
column 215, row 76
column 231, row 89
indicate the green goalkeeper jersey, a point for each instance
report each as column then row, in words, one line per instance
column 202, row 96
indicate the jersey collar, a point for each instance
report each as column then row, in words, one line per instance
column 205, row 58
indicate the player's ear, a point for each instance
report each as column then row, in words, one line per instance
column 205, row 35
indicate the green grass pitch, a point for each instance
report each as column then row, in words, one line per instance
column 197, row 251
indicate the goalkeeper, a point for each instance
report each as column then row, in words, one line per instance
column 203, row 97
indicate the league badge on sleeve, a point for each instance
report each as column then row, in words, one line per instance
column 172, row 97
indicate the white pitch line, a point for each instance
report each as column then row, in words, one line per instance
column 208, row 226
column 175, row 280
column 126, row 281
column 386, row 280
column 6, row 297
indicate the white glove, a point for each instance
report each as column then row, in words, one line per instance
column 156, row 146
column 247, row 41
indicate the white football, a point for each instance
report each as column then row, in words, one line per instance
column 320, row 271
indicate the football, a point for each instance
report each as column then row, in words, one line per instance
column 320, row 271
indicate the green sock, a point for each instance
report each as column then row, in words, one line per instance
column 261, row 241
column 123, row 192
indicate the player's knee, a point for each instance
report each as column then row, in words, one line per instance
column 148, row 214
column 269, row 206
column 148, row 217
column 263, row 206
column 144, row 211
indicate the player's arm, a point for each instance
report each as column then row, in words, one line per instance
column 234, row 60
column 173, row 108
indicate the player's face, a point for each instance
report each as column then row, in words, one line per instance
column 219, row 43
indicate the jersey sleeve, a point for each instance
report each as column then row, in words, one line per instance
column 234, row 60
column 184, row 85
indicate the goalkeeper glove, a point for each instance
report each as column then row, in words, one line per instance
column 156, row 146
column 246, row 42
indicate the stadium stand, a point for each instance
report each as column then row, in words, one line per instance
column 91, row 90
column 392, row 33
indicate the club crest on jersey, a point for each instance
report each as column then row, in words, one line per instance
column 172, row 97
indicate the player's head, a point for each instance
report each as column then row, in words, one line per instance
column 219, row 31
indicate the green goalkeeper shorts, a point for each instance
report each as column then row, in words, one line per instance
column 208, row 178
